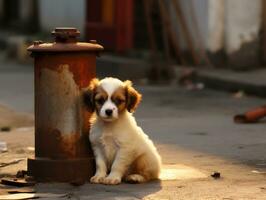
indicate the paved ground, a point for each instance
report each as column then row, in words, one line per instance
column 16, row 85
column 193, row 131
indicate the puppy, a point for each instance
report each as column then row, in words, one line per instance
column 122, row 150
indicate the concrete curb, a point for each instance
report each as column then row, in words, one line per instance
column 232, row 85
column 251, row 82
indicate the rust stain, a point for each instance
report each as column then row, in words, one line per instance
column 61, row 146
column 75, row 145
column 81, row 65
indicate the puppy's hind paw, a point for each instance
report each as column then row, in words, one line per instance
column 135, row 178
column 97, row 179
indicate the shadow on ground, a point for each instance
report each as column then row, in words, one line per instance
column 97, row 191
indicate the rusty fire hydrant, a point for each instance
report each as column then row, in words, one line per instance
column 62, row 70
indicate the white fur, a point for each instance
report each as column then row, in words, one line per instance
column 120, row 144
column 110, row 85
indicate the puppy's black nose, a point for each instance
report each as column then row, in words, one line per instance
column 109, row 112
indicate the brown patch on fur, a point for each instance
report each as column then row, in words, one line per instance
column 142, row 167
column 94, row 84
column 99, row 98
column 138, row 167
column 119, row 98
column 88, row 94
column 133, row 97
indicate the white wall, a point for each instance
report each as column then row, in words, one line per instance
column 215, row 29
column 242, row 22
column 224, row 24
column 201, row 15
column 60, row 13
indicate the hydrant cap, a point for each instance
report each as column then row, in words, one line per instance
column 65, row 41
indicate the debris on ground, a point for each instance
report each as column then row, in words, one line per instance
column 17, row 196
column 5, row 129
column 30, row 148
column 258, row 172
column 3, row 147
column 15, row 161
column 187, row 76
column 251, row 116
column 25, row 129
column 261, row 164
column 239, row 94
column 20, row 196
column 17, row 182
column 21, row 190
column 21, row 174
column 189, row 80
column 216, row 175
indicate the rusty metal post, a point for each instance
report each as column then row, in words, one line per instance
column 62, row 70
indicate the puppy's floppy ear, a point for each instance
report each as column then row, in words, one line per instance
column 133, row 97
column 89, row 93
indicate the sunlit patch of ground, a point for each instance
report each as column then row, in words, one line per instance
column 180, row 172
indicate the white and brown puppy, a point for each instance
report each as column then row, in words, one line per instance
column 122, row 150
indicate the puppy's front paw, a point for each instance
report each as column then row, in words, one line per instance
column 111, row 180
column 97, row 179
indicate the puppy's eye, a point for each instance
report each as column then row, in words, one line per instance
column 119, row 101
column 100, row 101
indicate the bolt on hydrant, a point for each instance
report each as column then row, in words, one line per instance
column 62, row 70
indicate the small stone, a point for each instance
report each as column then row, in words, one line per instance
column 21, row 174
column 216, row 175
column 5, row 129
column 3, row 147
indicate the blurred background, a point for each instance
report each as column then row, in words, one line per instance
column 219, row 44
column 221, row 34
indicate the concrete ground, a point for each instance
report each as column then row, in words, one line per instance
column 193, row 131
